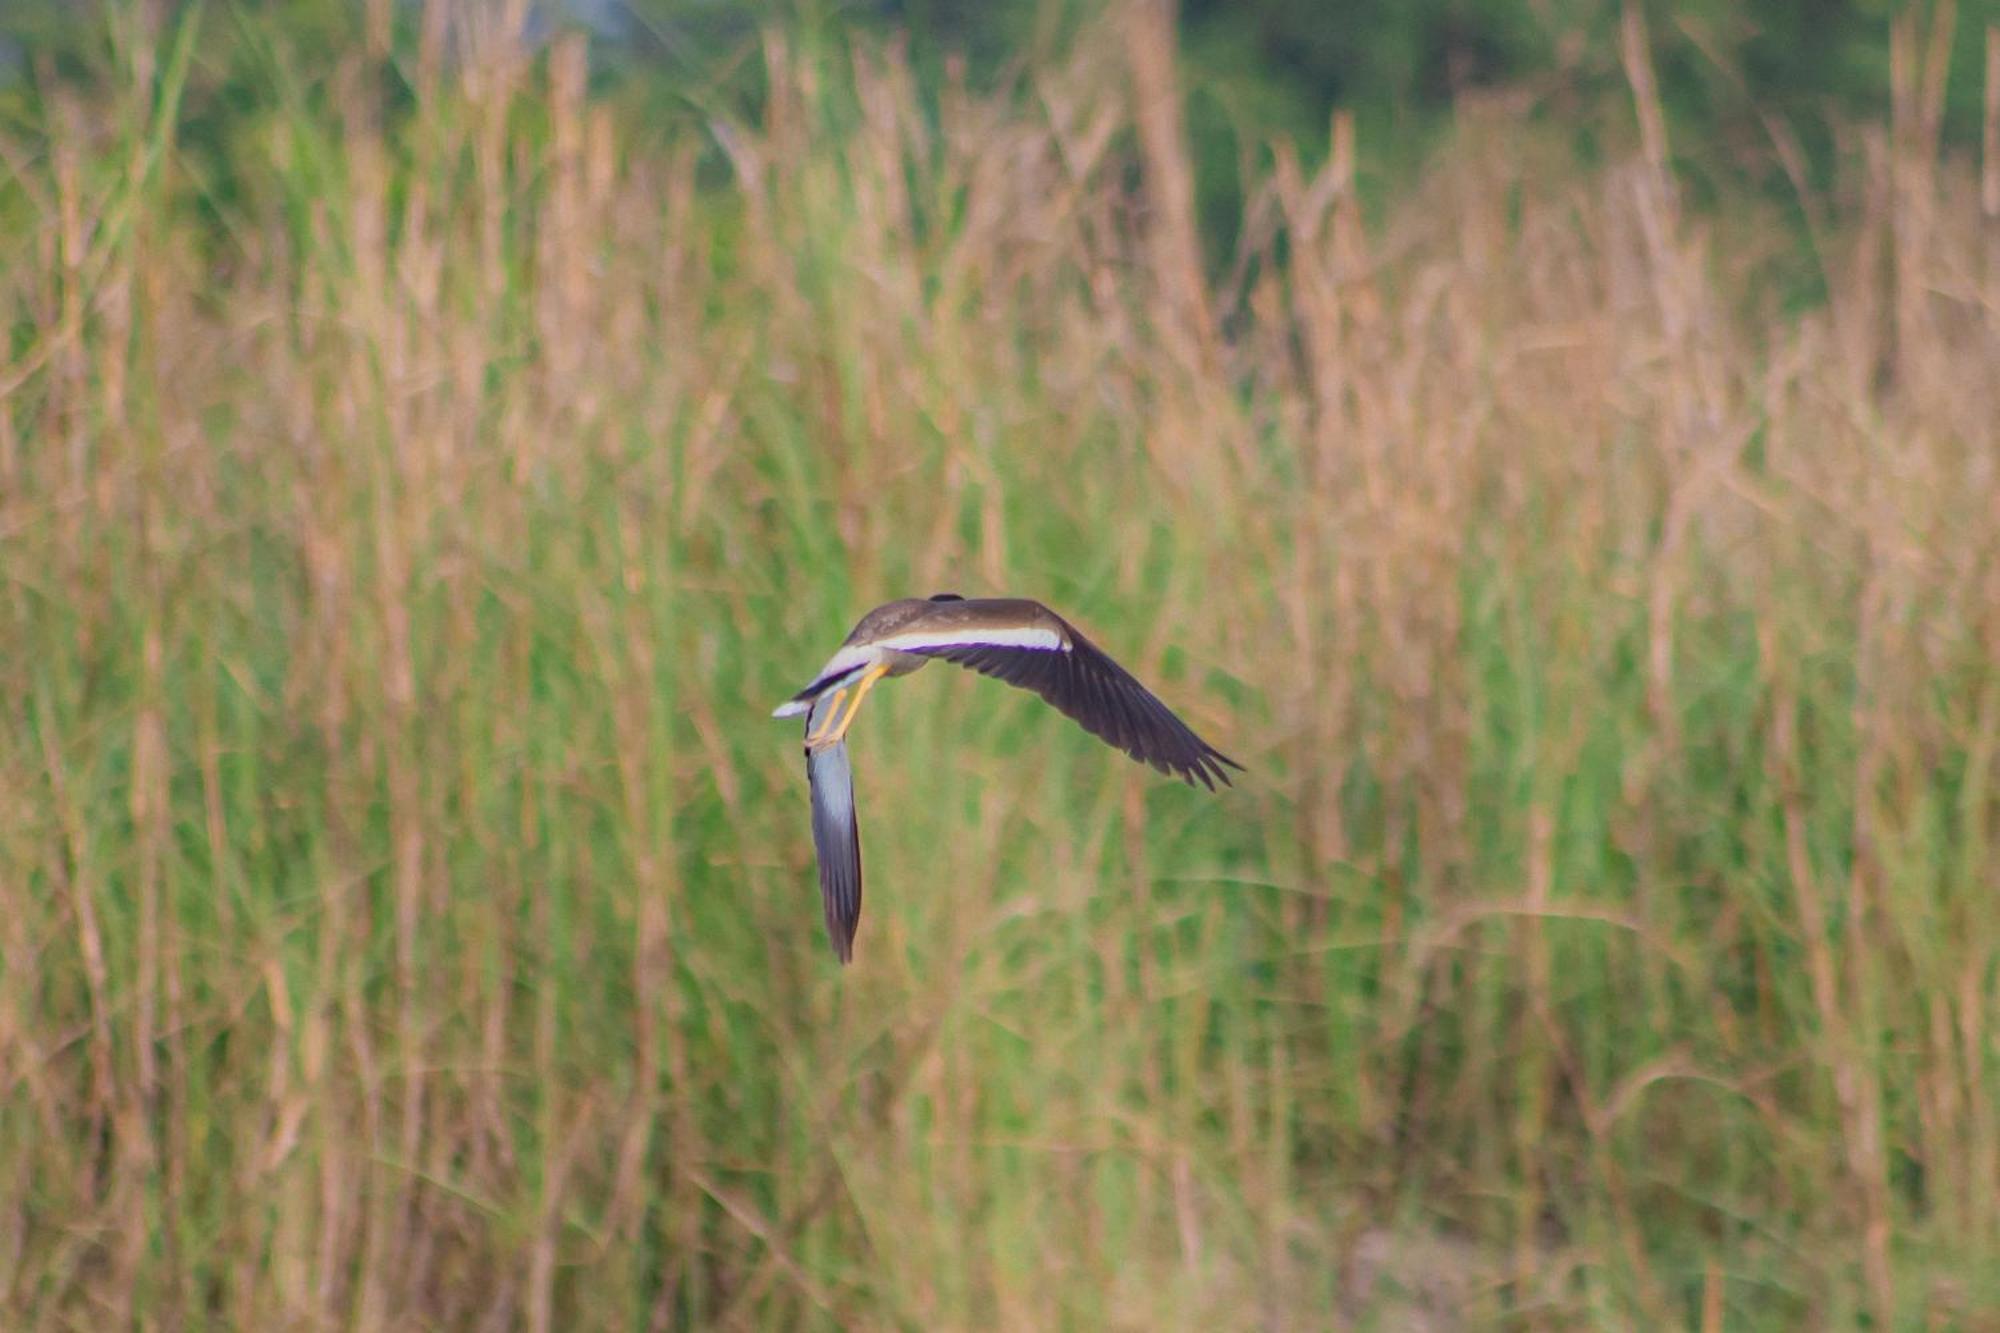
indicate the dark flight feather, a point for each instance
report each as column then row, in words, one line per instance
column 836, row 837
column 1106, row 699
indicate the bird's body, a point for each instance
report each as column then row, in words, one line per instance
column 1013, row 639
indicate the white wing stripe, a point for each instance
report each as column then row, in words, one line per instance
column 963, row 636
column 971, row 636
column 848, row 658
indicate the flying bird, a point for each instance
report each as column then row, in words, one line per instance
column 1008, row 638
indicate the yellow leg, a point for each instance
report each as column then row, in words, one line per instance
column 861, row 688
column 818, row 738
column 838, row 720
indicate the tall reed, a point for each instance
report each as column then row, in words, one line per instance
column 414, row 496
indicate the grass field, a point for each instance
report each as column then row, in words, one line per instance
column 413, row 502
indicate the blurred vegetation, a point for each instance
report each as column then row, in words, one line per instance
column 1731, row 75
column 424, row 461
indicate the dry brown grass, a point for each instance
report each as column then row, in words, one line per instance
column 408, row 917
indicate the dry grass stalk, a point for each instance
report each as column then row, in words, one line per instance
column 408, row 912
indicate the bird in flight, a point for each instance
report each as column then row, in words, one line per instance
column 1008, row 638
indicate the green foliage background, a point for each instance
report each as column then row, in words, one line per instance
column 426, row 455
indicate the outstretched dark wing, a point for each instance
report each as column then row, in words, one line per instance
column 836, row 838
column 1026, row 644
